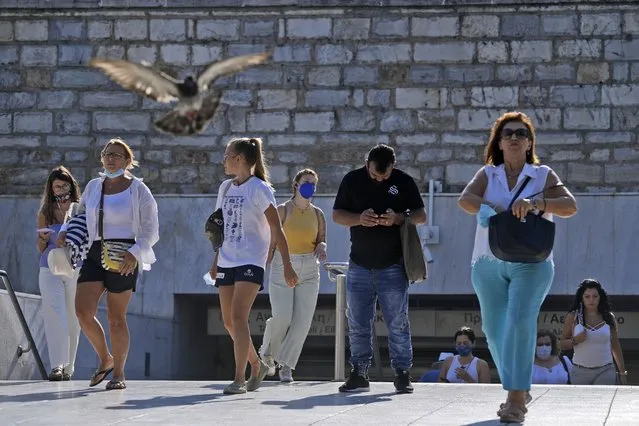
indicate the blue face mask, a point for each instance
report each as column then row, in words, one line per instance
column 113, row 175
column 307, row 190
column 463, row 350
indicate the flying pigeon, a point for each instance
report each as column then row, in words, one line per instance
column 197, row 101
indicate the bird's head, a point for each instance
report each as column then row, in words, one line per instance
column 189, row 86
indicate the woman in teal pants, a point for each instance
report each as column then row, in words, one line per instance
column 510, row 294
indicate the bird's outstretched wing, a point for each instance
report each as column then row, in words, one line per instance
column 215, row 70
column 139, row 78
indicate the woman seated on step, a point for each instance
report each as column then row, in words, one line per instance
column 464, row 367
column 551, row 366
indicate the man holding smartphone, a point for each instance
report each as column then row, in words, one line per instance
column 373, row 201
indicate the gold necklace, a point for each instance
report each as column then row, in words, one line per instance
column 303, row 210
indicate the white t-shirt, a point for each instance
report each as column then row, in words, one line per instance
column 118, row 215
column 247, row 234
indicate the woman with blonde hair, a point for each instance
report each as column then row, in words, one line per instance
column 122, row 225
column 293, row 307
column 250, row 220
column 61, row 327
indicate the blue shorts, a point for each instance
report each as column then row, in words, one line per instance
column 248, row 273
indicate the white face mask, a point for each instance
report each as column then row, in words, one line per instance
column 544, row 352
column 114, row 174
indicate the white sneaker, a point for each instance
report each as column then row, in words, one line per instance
column 286, row 374
column 270, row 361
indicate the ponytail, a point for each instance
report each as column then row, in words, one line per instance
column 261, row 169
column 251, row 149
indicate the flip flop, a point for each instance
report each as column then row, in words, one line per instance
column 97, row 373
column 115, row 384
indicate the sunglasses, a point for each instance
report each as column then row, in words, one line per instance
column 113, row 155
column 519, row 133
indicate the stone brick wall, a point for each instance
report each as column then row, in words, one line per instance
column 428, row 80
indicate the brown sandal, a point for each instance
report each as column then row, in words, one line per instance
column 513, row 413
column 116, row 384
column 56, row 375
column 528, row 400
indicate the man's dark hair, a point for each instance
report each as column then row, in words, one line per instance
column 383, row 156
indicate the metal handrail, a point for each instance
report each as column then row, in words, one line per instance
column 337, row 274
column 25, row 327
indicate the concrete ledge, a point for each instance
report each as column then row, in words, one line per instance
column 120, row 4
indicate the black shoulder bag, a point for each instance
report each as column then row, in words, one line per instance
column 214, row 225
column 523, row 241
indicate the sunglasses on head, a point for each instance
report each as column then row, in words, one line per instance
column 519, row 133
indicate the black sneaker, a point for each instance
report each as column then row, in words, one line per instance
column 402, row 381
column 356, row 383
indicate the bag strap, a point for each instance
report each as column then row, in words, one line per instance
column 521, row 188
column 319, row 222
column 288, row 210
column 563, row 362
column 101, row 212
column 226, row 189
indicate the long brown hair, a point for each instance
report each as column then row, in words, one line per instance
column 251, row 149
column 48, row 201
column 495, row 156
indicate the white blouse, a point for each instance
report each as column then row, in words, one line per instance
column 498, row 193
column 596, row 350
column 555, row 375
column 145, row 218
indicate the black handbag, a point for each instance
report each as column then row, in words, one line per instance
column 523, row 241
column 214, row 225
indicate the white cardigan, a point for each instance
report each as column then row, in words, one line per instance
column 145, row 218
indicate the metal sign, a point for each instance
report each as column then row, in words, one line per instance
column 424, row 323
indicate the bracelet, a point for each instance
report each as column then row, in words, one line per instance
column 625, row 373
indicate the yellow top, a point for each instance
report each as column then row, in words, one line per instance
column 301, row 228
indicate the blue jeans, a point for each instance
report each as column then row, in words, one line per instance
column 363, row 288
column 510, row 296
